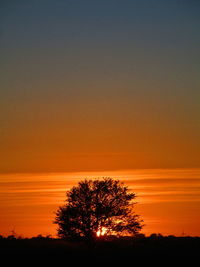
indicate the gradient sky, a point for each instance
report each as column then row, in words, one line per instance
column 99, row 85
column 100, row 88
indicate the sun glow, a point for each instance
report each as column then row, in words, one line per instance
column 102, row 231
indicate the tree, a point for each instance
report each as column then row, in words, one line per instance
column 98, row 207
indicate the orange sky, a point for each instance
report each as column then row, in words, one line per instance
column 168, row 199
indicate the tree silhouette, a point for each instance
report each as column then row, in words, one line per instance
column 98, row 207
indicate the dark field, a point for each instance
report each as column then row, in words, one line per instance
column 155, row 249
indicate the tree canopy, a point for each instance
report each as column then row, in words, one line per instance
column 98, row 207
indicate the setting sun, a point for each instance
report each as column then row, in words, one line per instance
column 101, row 232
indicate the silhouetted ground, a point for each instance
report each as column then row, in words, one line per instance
column 155, row 249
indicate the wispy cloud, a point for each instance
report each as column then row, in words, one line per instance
column 33, row 198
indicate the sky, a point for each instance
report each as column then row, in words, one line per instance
column 99, row 85
column 168, row 200
column 100, row 88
